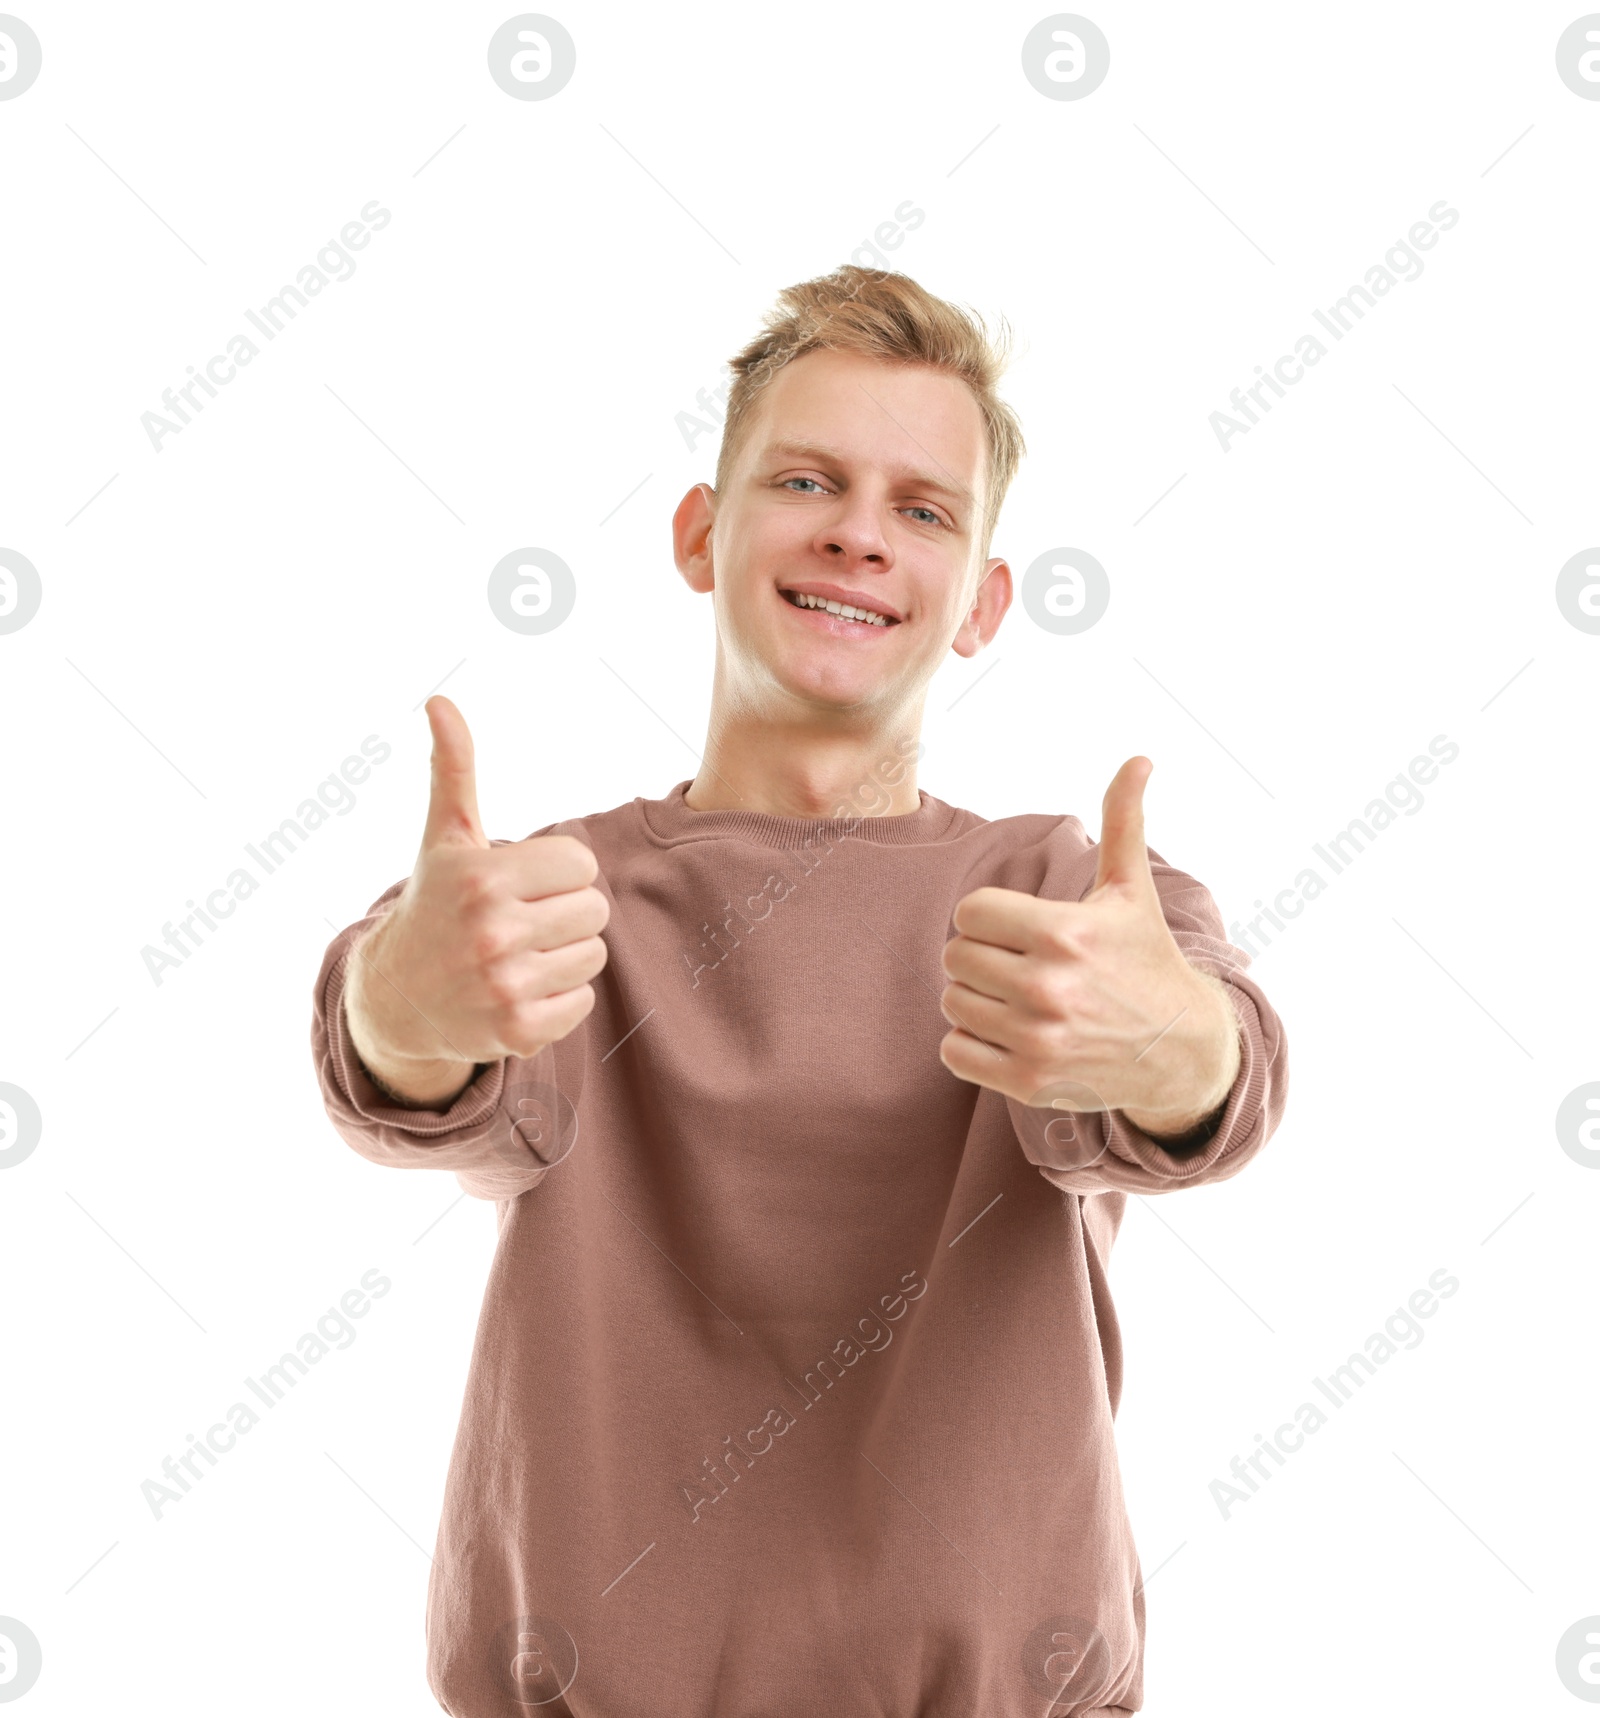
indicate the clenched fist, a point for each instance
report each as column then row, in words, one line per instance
column 1091, row 1004
column 487, row 952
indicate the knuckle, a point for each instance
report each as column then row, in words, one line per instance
column 502, row 986
column 475, row 885
column 1061, row 941
column 1044, row 993
column 1036, row 994
column 484, row 946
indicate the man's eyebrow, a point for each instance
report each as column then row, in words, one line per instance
column 837, row 456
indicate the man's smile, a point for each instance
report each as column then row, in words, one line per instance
column 845, row 613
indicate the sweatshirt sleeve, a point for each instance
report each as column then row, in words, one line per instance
column 1093, row 1152
column 503, row 1134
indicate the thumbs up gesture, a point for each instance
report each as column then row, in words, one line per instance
column 1090, row 1005
column 487, row 952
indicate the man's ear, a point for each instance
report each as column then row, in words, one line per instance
column 989, row 604
column 691, row 537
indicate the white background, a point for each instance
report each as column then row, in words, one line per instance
column 1373, row 565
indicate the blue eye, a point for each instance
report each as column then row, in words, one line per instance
column 932, row 517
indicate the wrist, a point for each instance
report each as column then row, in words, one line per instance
column 1193, row 1114
column 420, row 1082
column 415, row 1081
column 1174, row 1131
column 422, row 1085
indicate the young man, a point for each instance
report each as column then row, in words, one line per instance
column 794, row 1384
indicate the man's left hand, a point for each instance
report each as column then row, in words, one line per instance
column 1090, row 1005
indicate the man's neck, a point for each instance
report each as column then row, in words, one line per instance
column 791, row 770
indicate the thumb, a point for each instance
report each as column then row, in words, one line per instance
column 453, row 795
column 1123, row 856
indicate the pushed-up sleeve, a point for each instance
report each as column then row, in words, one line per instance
column 1099, row 1151
column 511, row 1126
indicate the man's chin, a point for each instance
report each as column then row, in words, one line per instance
column 845, row 688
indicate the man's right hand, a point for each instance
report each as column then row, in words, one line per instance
column 487, row 951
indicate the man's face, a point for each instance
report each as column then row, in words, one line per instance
column 861, row 482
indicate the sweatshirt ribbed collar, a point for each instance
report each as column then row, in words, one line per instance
column 671, row 819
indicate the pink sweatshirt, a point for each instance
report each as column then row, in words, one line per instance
column 794, row 1382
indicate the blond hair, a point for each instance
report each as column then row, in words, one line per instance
column 880, row 314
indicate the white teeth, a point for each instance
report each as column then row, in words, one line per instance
column 844, row 610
